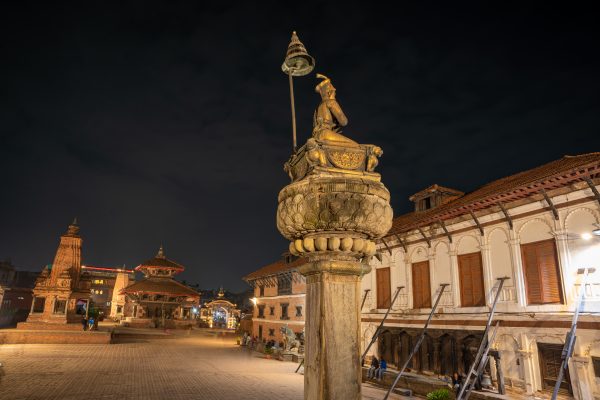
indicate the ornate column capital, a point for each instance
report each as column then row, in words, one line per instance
column 561, row 234
column 514, row 241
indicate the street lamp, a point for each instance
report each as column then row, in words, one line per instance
column 254, row 300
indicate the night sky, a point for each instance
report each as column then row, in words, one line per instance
column 170, row 123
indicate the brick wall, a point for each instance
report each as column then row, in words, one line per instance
column 18, row 336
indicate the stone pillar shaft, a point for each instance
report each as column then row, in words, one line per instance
column 332, row 354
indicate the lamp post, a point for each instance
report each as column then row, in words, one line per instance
column 297, row 63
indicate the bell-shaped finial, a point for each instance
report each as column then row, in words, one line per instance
column 161, row 252
column 297, row 60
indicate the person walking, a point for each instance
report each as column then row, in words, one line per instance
column 373, row 368
column 381, row 370
column 84, row 322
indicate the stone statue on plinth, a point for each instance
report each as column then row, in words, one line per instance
column 329, row 117
column 332, row 213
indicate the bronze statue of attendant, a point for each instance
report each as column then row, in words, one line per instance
column 329, row 117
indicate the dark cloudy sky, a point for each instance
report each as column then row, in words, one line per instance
column 169, row 123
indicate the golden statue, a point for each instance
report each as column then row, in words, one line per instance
column 329, row 117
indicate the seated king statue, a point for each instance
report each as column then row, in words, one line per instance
column 329, row 117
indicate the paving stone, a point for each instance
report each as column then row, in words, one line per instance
column 200, row 366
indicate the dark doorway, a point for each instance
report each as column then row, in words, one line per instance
column 448, row 364
column 425, row 354
column 405, row 342
column 385, row 346
column 469, row 351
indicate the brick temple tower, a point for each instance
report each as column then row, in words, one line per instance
column 61, row 294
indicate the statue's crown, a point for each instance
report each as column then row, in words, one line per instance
column 326, row 81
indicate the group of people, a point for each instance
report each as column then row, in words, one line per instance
column 377, row 369
column 89, row 324
column 249, row 340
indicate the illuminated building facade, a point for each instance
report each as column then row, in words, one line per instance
column 220, row 312
column 534, row 228
column 279, row 299
column 105, row 286
column 60, row 288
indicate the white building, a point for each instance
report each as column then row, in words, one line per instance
column 534, row 228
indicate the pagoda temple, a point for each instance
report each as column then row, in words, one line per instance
column 61, row 293
column 158, row 299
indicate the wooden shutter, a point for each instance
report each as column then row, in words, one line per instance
column 542, row 274
column 383, row 288
column 532, row 275
column 548, row 262
column 421, row 285
column 470, row 271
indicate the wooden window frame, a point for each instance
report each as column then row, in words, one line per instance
column 383, row 299
column 285, row 307
column 284, row 285
column 526, row 278
column 464, row 302
column 427, row 298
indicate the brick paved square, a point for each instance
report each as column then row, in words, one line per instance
column 201, row 366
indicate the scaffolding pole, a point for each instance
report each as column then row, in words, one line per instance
column 362, row 304
column 419, row 341
column 484, row 359
column 484, row 343
column 378, row 331
column 570, row 339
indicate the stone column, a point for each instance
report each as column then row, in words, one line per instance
column 515, row 252
column 455, row 286
column 333, row 212
column 528, row 370
column 568, row 276
column 488, row 277
column 332, row 353
column 578, row 369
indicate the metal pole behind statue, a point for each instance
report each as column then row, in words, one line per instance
column 297, row 63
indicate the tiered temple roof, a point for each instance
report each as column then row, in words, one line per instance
column 159, row 272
